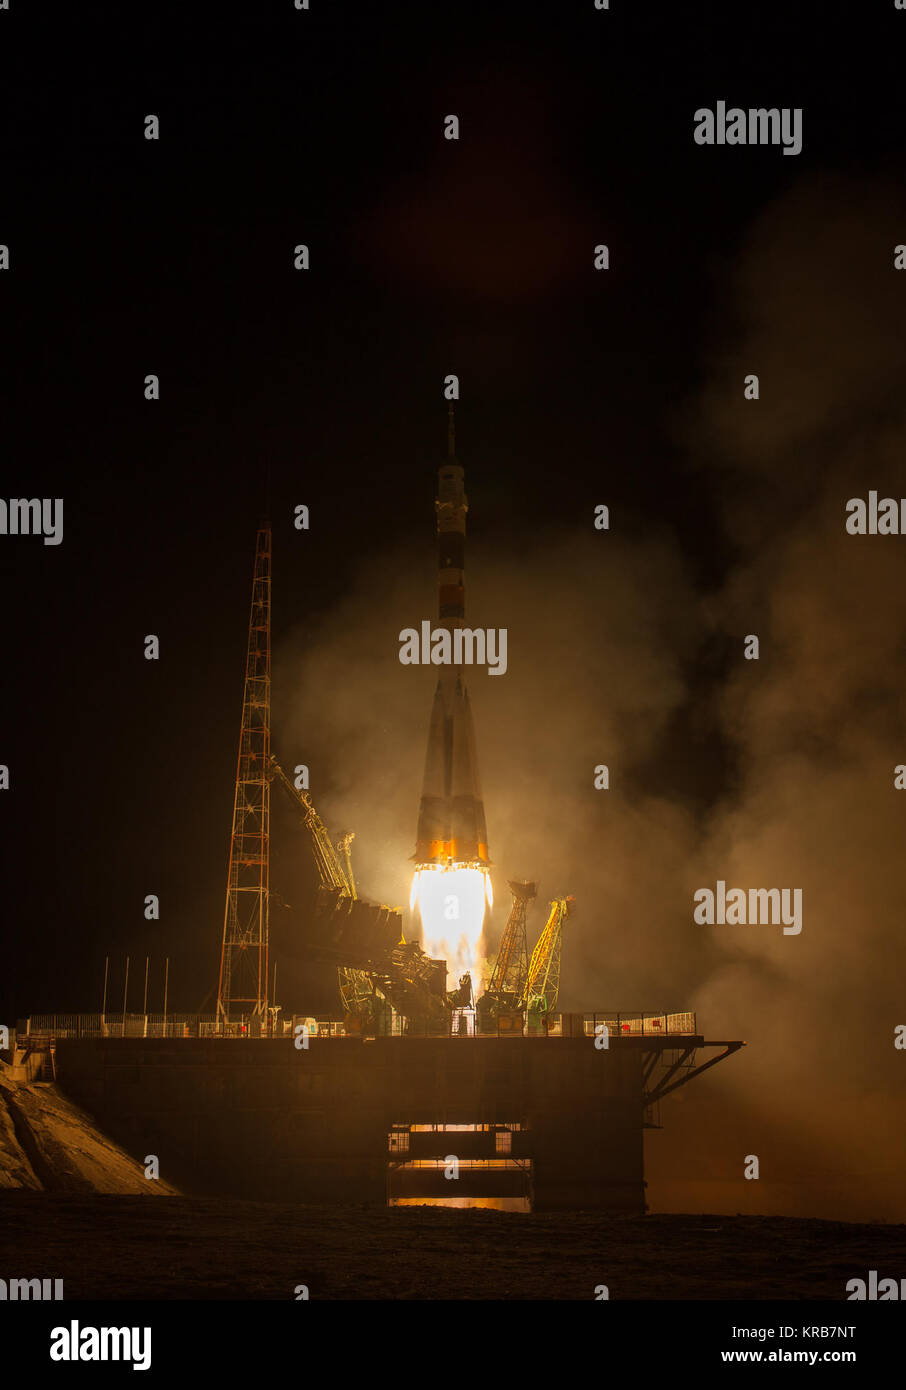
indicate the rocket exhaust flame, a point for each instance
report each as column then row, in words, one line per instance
column 451, row 903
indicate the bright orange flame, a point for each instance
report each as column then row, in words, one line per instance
column 451, row 902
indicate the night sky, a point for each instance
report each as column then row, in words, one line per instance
column 175, row 257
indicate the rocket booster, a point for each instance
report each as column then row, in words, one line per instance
column 451, row 824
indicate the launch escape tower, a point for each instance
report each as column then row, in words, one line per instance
column 242, row 988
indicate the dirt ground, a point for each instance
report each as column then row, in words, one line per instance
column 126, row 1247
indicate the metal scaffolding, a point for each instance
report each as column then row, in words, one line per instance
column 242, row 988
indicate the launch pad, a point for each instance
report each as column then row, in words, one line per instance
column 555, row 1120
column 412, row 1091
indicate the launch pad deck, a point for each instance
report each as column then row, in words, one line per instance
column 557, row 1120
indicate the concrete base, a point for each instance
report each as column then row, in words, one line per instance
column 258, row 1118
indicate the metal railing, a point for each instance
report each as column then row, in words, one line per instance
column 44, row 1028
column 171, row 1025
column 648, row 1025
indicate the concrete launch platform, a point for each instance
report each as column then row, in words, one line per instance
column 557, row 1120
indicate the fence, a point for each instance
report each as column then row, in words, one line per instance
column 649, row 1025
column 171, row 1025
column 182, row 1025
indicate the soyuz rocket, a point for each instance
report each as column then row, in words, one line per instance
column 451, row 824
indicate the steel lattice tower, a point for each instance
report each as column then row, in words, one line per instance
column 511, row 967
column 242, row 990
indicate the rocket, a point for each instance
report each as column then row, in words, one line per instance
column 451, row 824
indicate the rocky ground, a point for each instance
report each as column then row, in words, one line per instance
column 48, row 1143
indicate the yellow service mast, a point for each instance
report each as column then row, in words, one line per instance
column 542, row 986
column 500, row 1007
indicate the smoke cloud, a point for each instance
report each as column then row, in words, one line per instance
column 593, row 677
column 816, row 723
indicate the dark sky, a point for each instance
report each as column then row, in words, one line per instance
column 427, row 257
